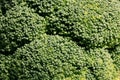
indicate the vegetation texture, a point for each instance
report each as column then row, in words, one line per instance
column 59, row 40
column 18, row 27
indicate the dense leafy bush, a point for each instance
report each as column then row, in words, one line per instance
column 59, row 39
column 19, row 26
column 100, row 65
column 89, row 23
column 56, row 58
column 0, row 13
column 115, row 54
column 6, row 5
column 51, row 57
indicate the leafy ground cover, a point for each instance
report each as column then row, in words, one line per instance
column 59, row 40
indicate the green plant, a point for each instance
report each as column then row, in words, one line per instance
column 6, row 5
column 115, row 55
column 101, row 65
column 57, row 58
column 89, row 23
column 50, row 57
column 59, row 39
column 0, row 13
column 19, row 26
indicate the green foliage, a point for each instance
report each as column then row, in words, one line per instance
column 19, row 26
column 56, row 58
column 100, row 65
column 0, row 13
column 51, row 57
column 115, row 53
column 89, row 23
column 6, row 5
column 59, row 39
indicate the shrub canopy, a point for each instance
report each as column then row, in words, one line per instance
column 90, row 23
column 115, row 55
column 56, row 58
column 19, row 26
column 59, row 39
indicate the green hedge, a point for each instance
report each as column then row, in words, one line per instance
column 59, row 39
column 6, row 5
column 56, row 58
column 0, row 13
column 89, row 23
column 101, row 65
column 51, row 57
column 19, row 26
column 115, row 55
